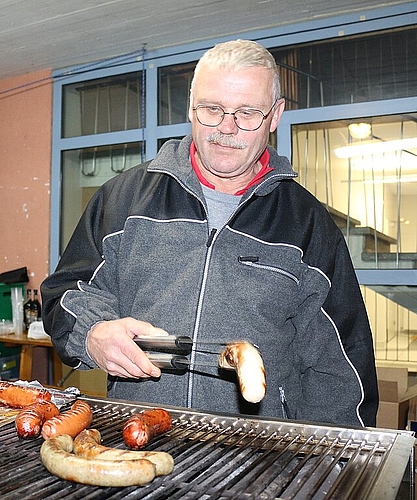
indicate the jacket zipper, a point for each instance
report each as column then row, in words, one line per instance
column 284, row 404
column 211, row 238
column 252, row 261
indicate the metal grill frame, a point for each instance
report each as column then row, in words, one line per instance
column 225, row 457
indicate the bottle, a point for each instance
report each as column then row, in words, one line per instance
column 35, row 310
column 27, row 315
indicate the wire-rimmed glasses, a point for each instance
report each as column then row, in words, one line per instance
column 248, row 119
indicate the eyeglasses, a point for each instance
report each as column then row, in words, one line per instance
column 247, row 119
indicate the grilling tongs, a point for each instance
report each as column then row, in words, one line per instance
column 178, row 347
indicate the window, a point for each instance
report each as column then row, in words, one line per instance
column 349, row 69
column 83, row 172
column 368, row 181
column 103, row 105
column 173, row 93
column 392, row 312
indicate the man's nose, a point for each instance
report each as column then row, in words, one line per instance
column 228, row 124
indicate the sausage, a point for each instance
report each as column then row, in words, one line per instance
column 247, row 361
column 71, row 422
column 57, row 458
column 87, row 445
column 30, row 420
column 18, row 396
column 141, row 428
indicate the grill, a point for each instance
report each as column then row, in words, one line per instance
column 229, row 457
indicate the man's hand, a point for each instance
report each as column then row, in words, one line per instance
column 110, row 345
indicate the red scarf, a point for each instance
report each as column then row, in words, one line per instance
column 264, row 160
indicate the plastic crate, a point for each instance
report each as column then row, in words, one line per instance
column 9, row 367
column 7, row 350
column 6, row 299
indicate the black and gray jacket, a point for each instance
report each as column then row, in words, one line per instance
column 277, row 274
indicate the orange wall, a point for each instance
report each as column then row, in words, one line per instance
column 25, row 165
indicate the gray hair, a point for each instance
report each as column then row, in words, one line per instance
column 241, row 54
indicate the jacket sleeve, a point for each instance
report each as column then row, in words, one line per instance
column 345, row 306
column 339, row 366
column 76, row 267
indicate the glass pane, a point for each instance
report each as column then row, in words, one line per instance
column 105, row 105
column 83, row 172
column 174, row 91
column 349, row 69
column 371, row 191
column 392, row 312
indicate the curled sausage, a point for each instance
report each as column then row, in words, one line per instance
column 57, row 458
column 246, row 360
column 18, row 396
column 141, row 428
column 70, row 422
column 87, row 445
column 29, row 421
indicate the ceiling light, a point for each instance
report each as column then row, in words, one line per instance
column 391, row 179
column 372, row 148
column 360, row 130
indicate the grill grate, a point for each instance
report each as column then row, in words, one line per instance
column 227, row 457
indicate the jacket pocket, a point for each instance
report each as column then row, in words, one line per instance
column 254, row 262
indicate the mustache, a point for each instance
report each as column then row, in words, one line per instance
column 226, row 140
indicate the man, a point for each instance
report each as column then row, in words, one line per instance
column 215, row 240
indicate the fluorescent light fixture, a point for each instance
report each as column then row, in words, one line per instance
column 373, row 148
column 389, row 163
column 391, row 179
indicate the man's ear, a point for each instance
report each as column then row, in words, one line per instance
column 190, row 113
column 277, row 115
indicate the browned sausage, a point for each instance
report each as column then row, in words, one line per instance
column 18, row 396
column 70, row 422
column 30, row 420
column 141, row 428
column 87, row 445
column 57, row 458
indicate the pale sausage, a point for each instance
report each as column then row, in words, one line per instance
column 57, row 458
column 87, row 445
column 247, row 361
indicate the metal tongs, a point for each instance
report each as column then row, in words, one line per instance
column 177, row 347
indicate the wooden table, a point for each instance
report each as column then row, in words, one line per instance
column 26, row 355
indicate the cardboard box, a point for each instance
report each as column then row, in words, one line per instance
column 395, row 396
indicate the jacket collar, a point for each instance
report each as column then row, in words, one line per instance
column 174, row 159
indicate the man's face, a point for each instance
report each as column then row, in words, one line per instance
column 232, row 89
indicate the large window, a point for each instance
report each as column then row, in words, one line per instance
column 349, row 69
column 365, row 172
column 343, row 70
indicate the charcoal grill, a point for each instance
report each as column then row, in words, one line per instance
column 229, row 457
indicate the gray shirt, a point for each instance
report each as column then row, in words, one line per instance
column 220, row 206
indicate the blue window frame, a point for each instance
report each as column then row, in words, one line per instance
column 150, row 63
